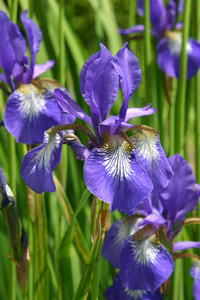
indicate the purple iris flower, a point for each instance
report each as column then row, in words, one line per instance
column 142, row 246
column 119, row 292
column 31, row 107
column 169, row 37
column 195, row 273
column 118, row 169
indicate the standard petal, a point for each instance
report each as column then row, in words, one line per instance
column 112, row 174
column 92, row 69
column 190, row 204
column 179, row 246
column 128, row 69
column 115, row 237
column 13, row 46
column 70, row 106
column 151, row 157
column 105, row 91
column 119, row 292
column 34, row 35
column 29, row 111
column 144, row 263
column 39, row 163
column 6, row 195
column 195, row 273
column 180, row 188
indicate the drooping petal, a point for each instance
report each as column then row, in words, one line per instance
column 6, row 195
column 144, row 263
column 193, row 59
column 195, row 273
column 39, row 69
column 119, row 292
column 115, row 237
column 70, row 106
column 128, row 69
column 139, row 112
column 180, row 188
column 179, row 246
column 39, row 163
column 34, row 35
column 151, row 157
column 168, row 56
column 29, row 111
column 133, row 29
column 13, row 46
column 112, row 174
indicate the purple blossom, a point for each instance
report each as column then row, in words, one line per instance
column 31, row 107
column 139, row 245
column 169, row 38
column 116, row 167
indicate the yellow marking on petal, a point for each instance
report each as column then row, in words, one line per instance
column 32, row 99
column 174, row 39
column 47, row 83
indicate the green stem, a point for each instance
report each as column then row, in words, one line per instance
column 147, row 50
column 180, row 108
column 95, row 283
column 197, row 101
column 13, row 11
column 172, row 117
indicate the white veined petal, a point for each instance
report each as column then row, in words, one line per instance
column 32, row 100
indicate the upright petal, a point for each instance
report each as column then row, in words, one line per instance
column 144, row 263
column 92, row 69
column 34, row 35
column 112, row 174
column 29, row 111
column 128, row 69
column 119, row 292
column 151, row 157
column 115, row 237
column 105, row 91
column 180, row 188
column 39, row 163
column 13, row 46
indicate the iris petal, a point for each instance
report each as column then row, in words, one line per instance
column 6, row 195
column 39, row 163
column 115, row 237
column 144, row 263
column 128, row 69
column 180, row 188
column 29, row 111
column 112, row 174
column 119, row 292
column 151, row 156
column 195, row 273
